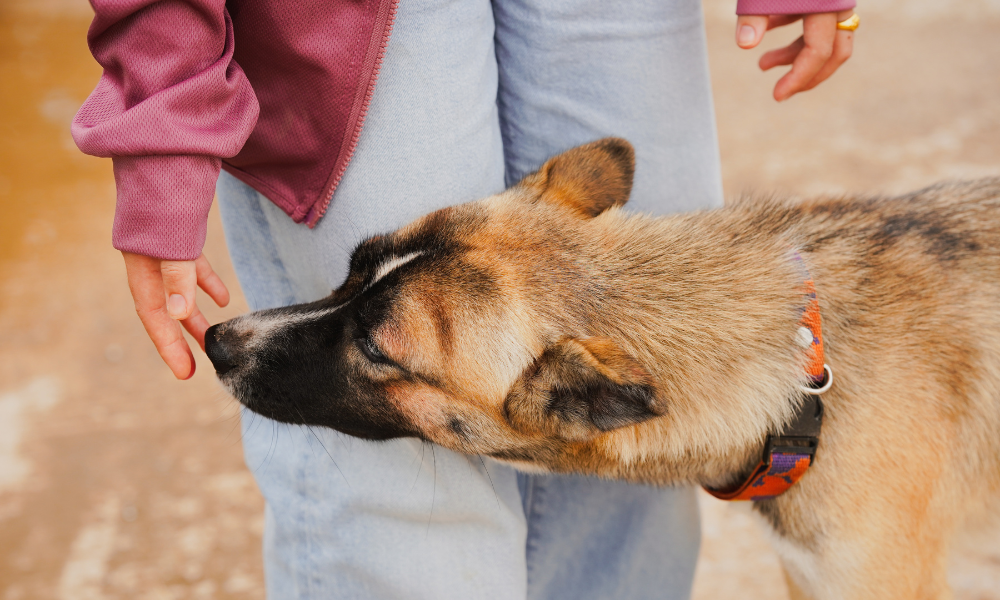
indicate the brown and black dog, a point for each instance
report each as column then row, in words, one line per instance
column 547, row 327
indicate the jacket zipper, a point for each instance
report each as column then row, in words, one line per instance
column 373, row 62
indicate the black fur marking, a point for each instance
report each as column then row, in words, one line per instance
column 479, row 284
column 433, row 240
column 515, row 454
column 770, row 510
column 604, row 403
column 622, row 153
column 948, row 245
column 439, row 249
column 442, row 323
column 457, row 427
column 940, row 234
column 536, row 454
column 829, row 237
column 772, row 514
column 894, row 227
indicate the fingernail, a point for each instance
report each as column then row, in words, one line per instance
column 175, row 306
column 746, row 36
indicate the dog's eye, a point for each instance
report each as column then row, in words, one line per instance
column 372, row 351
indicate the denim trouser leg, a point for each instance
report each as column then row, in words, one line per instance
column 456, row 109
column 348, row 518
column 571, row 72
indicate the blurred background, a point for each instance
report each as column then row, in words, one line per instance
column 117, row 481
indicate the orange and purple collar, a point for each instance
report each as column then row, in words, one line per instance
column 788, row 454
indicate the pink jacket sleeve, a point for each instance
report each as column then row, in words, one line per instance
column 791, row 7
column 170, row 103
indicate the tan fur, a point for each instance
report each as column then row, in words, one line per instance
column 662, row 350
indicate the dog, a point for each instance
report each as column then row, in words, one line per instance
column 550, row 329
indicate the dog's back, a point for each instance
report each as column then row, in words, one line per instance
column 909, row 289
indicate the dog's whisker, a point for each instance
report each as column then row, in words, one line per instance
column 330, row 455
column 255, row 422
column 272, row 447
column 245, row 430
column 229, row 409
column 416, row 455
column 276, row 439
column 236, row 417
column 252, row 299
column 430, row 517
column 420, row 467
column 354, row 228
column 495, row 495
column 263, row 460
column 322, row 445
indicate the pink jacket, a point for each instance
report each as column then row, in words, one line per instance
column 275, row 94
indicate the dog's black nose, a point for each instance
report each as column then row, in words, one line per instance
column 216, row 350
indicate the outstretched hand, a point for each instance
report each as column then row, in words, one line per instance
column 818, row 52
column 164, row 294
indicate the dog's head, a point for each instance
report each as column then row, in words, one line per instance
column 468, row 327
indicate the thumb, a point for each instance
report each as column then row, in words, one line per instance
column 750, row 30
column 180, row 278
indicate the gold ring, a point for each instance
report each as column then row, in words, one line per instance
column 850, row 24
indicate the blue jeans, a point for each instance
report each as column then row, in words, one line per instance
column 472, row 95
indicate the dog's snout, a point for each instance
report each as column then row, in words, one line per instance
column 221, row 357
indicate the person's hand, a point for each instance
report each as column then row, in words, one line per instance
column 164, row 293
column 818, row 52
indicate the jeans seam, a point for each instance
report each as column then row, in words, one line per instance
column 289, row 296
column 533, row 512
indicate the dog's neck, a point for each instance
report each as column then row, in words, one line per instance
column 711, row 309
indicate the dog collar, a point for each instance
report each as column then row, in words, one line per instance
column 788, row 454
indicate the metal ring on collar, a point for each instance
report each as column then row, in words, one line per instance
column 827, row 383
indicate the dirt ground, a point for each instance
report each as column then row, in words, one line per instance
column 116, row 481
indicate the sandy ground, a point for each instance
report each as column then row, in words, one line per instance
column 116, row 481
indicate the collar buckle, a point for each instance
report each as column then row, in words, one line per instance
column 786, row 456
column 801, row 436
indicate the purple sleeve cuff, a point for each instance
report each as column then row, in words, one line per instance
column 791, row 7
column 163, row 203
column 170, row 101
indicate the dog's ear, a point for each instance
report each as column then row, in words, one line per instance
column 589, row 179
column 579, row 388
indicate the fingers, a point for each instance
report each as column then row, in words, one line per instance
column 781, row 56
column 814, row 56
column 210, row 282
column 146, row 283
column 808, row 54
column 196, row 325
column 172, row 347
column 164, row 295
column 180, row 279
column 750, row 30
column 843, row 47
